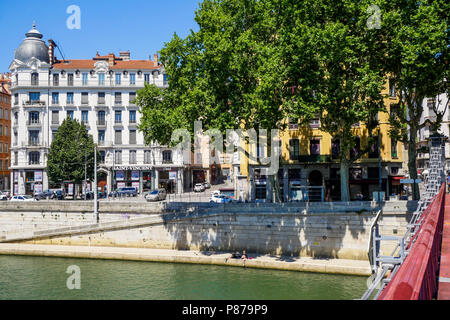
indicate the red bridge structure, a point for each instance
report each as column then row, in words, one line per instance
column 419, row 267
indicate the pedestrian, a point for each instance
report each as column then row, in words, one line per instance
column 448, row 182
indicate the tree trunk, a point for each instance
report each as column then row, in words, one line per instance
column 345, row 191
column 412, row 167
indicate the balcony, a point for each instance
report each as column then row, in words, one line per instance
column 33, row 103
column 31, row 143
column 101, row 123
column 34, row 123
column 312, row 158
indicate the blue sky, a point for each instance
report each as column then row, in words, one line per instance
column 141, row 26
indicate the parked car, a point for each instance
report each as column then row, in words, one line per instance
column 124, row 192
column 6, row 193
column 47, row 194
column 215, row 193
column 3, row 196
column 207, row 185
column 156, row 195
column 22, row 198
column 220, row 199
column 199, row 187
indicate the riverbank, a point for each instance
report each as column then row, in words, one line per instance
column 305, row 264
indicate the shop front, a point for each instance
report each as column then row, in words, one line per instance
column 127, row 178
column 33, row 182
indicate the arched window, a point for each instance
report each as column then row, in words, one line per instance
column 34, row 79
column 167, row 156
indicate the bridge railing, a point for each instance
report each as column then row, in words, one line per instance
column 416, row 278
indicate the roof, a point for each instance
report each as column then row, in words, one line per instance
column 118, row 64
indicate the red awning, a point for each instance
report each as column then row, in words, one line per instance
column 398, row 178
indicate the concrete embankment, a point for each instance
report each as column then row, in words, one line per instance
column 305, row 264
column 298, row 231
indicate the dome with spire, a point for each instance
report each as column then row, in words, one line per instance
column 32, row 46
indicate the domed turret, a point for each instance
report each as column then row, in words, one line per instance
column 32, row 46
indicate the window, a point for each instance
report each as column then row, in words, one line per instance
column 147, row 77
column 84, row 116
column 33, row 117
column 54, row 134
column 34, row 157
column 16, row 158
column 335, row 148
column 374, row 152
column 293, row 123
column 118, row 157
column 147, row 156
column 314, row 147
column 101, row 79
column 167, row 156
column 394, row 148
column 355, row 173
column 56, row 79
column 70, row 114
column 132, row 78
column 84, row 79
column 132, row 156
column 315, row 123
column 294, row 149
column 101, row 137
column 132, row 136
column 55, row 98
column 55, row 117
column 6, row 114
column 34, row 79
column 70, row 79
column 1, row 130
column 16, row 99
column 102, row 157
column 132, row 116
column 117, row 98
column 6, row 148
column 373, row 173
column 355, row 150
column 34, row 96
column 392, row 90
column 16, row 117
column 118, row 116
column 132, row 97
column 84, row 98
column 118, row 78
column 101, row 118
column 118, row 137
column 33, row 137
column 6, row 164
column 101, row 98
column 1, row 112
column 69, row 97
column 15, row 138
column 166, row 77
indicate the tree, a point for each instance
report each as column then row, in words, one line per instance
column 417, row 48
column 71, row 148
column 332, row 69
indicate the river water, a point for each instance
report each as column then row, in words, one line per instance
column 33, row 278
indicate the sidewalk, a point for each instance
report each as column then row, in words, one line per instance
column 333, row 266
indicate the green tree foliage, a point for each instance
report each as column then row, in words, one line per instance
column 417, row 50
column 332, row 63
column 66, row 158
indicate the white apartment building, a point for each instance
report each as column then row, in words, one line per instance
column 441, row 102
column 99, row 92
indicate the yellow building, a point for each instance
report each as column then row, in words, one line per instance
column 309, row 168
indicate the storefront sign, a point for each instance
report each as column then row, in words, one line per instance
column 172, row 175
column 37, row 188
column 121, row 185
column 134, row 175
column 132, row 168
column 38, row 176
column 70, row 188
column 135, row 185
column 120, row 175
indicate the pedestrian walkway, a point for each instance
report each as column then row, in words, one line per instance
column 444, row 275
column 306, row 264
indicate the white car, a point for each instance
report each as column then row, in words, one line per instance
column 220, row 199
column 22, row 198
column 199, row 187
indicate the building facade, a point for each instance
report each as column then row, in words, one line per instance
column 99, row 92
column 5, row 126
column 309, row 169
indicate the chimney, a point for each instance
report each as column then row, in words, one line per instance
column 155, row 59
column 111, row 58
column 125, row 55
column 51, row 51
